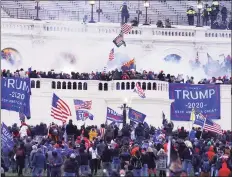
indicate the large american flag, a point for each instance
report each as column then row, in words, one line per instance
column 80, row 104
column 126, row 28
column 111, row 55
column 212, row 126
column 60, row 110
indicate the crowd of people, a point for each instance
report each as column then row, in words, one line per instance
column 112, row 152
column 215, row 13
column 115, row 75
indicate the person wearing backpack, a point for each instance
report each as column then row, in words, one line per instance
column 136, row 161
column 205, row 167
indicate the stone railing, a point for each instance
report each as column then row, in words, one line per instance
column 53, row 28
column 95, row 85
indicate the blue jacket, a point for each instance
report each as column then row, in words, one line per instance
column 56, row 162
column 192, row 135
column 39, row 160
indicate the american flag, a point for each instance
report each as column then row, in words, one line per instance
column 111, row 55
column 212, row 126
column 119, row 40
column 126, row 28
column 79, row 104
column 60, row 110
column 139, row 91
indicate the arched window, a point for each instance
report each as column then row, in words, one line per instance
column 105, row 87
column 69, row 85
column 132, row 85
column 37, row 84
column 32, row 84
column 117, row 86
column 122, row 86
column 79, row 86
column 154, row 86
column 63, row 85
column 149, row 86
column 58, row 85
column 139, row 84
column 74, row 85
column 100, row 86
column 144, row 86
column 128, row 85
column 53, row 85
column 85, row 86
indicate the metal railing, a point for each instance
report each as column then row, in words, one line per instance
column 20, row 13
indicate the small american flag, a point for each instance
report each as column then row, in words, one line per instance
column 80, row 104
column 119, row 40
column 111, row 55
column 60, row 110
column 126, row 28
column 211, row 126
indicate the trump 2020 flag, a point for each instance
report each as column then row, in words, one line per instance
column 113, row 116
column 136, row 116
column 139, row 91
column 16, row 93
column 199, row 120
column 7, row 138
column 84, row 115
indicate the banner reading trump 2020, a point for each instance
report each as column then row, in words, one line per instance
column 16, row 94
column 203, row 98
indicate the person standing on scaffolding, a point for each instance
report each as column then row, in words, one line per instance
column 124, row 13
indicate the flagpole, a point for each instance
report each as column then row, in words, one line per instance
column 203, row 126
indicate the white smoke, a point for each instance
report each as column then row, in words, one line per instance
column 182, row 67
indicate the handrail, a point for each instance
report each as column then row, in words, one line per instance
column 76, row 15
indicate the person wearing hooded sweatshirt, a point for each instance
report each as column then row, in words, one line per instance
column 70, row 166
column 55, row 164
column 33, row 152
column 210, row 153
column 224, row 171
column 38, row 163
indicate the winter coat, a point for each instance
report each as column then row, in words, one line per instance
column 106, row 155
column 70, row 166
column 39, row 160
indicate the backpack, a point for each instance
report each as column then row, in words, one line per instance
column 19, row 152
column 138, row 163
column 205, row 167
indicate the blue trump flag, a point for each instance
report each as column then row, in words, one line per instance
column 7, row 138
column 16, row 93
column 84, row 115
column 200, row 120
column 203, row 98
column 136, row 116
column 113, row 116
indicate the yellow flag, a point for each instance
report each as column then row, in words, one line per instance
column 192, row 116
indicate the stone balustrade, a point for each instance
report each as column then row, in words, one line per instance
column 30, row 27
column 117, row 85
